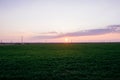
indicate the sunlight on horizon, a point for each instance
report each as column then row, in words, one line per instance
column 51, row 20
column 66, row 40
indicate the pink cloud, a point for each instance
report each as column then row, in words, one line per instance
column 92, row 32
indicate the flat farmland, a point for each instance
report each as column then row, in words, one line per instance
column 65, row 61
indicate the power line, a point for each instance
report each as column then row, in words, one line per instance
column 22, row 40
column 1, row 42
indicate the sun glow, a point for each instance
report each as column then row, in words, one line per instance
column 66, row 40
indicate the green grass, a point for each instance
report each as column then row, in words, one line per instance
column 60, row 61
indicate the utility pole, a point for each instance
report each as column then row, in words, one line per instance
column 11, row 42
column 71, row 40
column 1, row 41
column 22, row 40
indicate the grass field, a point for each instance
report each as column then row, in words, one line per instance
column 100, row 61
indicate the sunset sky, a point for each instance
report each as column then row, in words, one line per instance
column 60, row 20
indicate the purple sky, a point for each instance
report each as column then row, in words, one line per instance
column 53, row 20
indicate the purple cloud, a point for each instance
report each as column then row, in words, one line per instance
column 109, row 29
column 53, row 32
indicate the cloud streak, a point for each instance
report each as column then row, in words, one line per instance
column 53, row 32
column 109, row 29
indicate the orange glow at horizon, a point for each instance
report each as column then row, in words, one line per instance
column 93, row 38
column 66, row 40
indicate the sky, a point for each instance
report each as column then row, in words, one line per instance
column 60, row 20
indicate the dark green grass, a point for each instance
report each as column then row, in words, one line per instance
column 60, row 61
